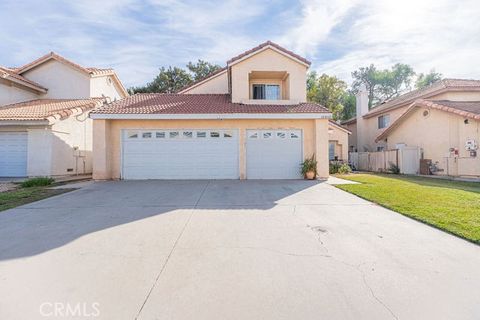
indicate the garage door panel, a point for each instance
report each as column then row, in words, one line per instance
column 13, row 154
column 274, row 154
column 182, row 157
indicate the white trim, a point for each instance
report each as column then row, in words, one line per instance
column 24, row 123
column 203, row 81
column 210, row 116
column 265, row 48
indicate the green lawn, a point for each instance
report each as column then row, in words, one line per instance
column 15, row 198
column 449, row 205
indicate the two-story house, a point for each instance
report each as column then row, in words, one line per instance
column 249, row 120
column 44, row 125
column 443, row 120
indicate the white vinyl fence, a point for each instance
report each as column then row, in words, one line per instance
column 406, row 158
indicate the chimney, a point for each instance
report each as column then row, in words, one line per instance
column 362, row 109
column 362, row 101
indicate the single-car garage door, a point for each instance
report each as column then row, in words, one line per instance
column 180, row 154
column 13, row 154
column 274, row 154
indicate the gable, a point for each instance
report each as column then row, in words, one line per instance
column 214, row 84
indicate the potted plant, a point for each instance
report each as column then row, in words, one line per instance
column 309, row 168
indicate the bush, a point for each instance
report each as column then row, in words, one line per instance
column 334, row 167
column 344, row 169
column 393, row 168
column 37, row 182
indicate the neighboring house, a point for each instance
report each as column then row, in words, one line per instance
column 440, row 119
column 338, row 141
column 44, row 124
column 448, row 132
column 249, row 120
column 369, row 124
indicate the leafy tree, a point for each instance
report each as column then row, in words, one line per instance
column 383, row 84
column 349, row 106
column 201, row 69
column 424, row 80
column 327, row 91
column 172, row 79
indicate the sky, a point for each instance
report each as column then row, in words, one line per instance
column 136, row 38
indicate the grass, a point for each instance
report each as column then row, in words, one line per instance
column 37, row 182
column 15, row 198
column 452, row 206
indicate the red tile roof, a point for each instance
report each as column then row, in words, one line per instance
column 433, row 89
column 266, row 44
column 43, row 109
column 467, row 109
column 157, row 103
column 338, row 125
column 8, row 73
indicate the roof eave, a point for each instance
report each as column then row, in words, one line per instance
column 208, row 116
column 231, row 63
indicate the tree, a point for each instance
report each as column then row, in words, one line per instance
column 172, row 79
column 201, row 69
column 424, row 80
column 328, row 91
column 349, row 106
column 384, row 84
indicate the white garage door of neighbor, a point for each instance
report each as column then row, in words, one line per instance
column 180, row 154
column 274, row 154
column 13, row 154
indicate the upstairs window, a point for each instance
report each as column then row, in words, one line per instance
column 383, row 121
column 266, row 92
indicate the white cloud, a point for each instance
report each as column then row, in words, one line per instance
column 440, row 34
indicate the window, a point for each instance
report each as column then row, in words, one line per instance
column 383, row 121
column 201, row 134
column 281, row 135
column 380, row 148
column 331, row 150
column 146, row 135
column 253, row 135
column 227, row 134
column 293, row 135
column 187, row 134
column 214, row 134
column 266, row 92
column 160, row 135
column 174, row 134
column 132, row 135
column 267, row 135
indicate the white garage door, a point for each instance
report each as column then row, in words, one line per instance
column 274, row 154
column 13, row 154
column 180, row 154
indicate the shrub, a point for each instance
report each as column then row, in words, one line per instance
column 334, row 167
column 37, row 182
column 344, row 169
column 393, row 168
column 310, row 164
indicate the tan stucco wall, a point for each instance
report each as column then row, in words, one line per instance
column 62, row 81
column 268, row 60
column 11, row 93
column 340, row 137
column 105, row 86
column 217, row 84
column 107, row 139
column 436, row 134
column 352, row 138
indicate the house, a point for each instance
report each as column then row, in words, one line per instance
column 249, row 120
column 44, row 125
column 437, row 119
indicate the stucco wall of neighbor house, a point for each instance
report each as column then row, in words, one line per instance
column 436, row 134
column 69, row 134
column 107, row 139
column 105, row 86
column 218, row 84
column 340, row 137
column 62, row 81
column 268, row 60
column 10, row 93
column 352, row 138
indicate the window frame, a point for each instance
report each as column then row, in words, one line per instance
column 383, row 121
column 264, row 91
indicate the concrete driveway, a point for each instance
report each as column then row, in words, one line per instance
column 228, row 250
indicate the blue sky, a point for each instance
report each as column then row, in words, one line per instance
column 138, row 37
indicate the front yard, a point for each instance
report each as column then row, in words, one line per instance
column 452, row 206
column 15, row 198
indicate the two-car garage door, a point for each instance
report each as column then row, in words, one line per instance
column 210, row 154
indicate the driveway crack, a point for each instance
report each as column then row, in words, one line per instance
column 171, row 251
